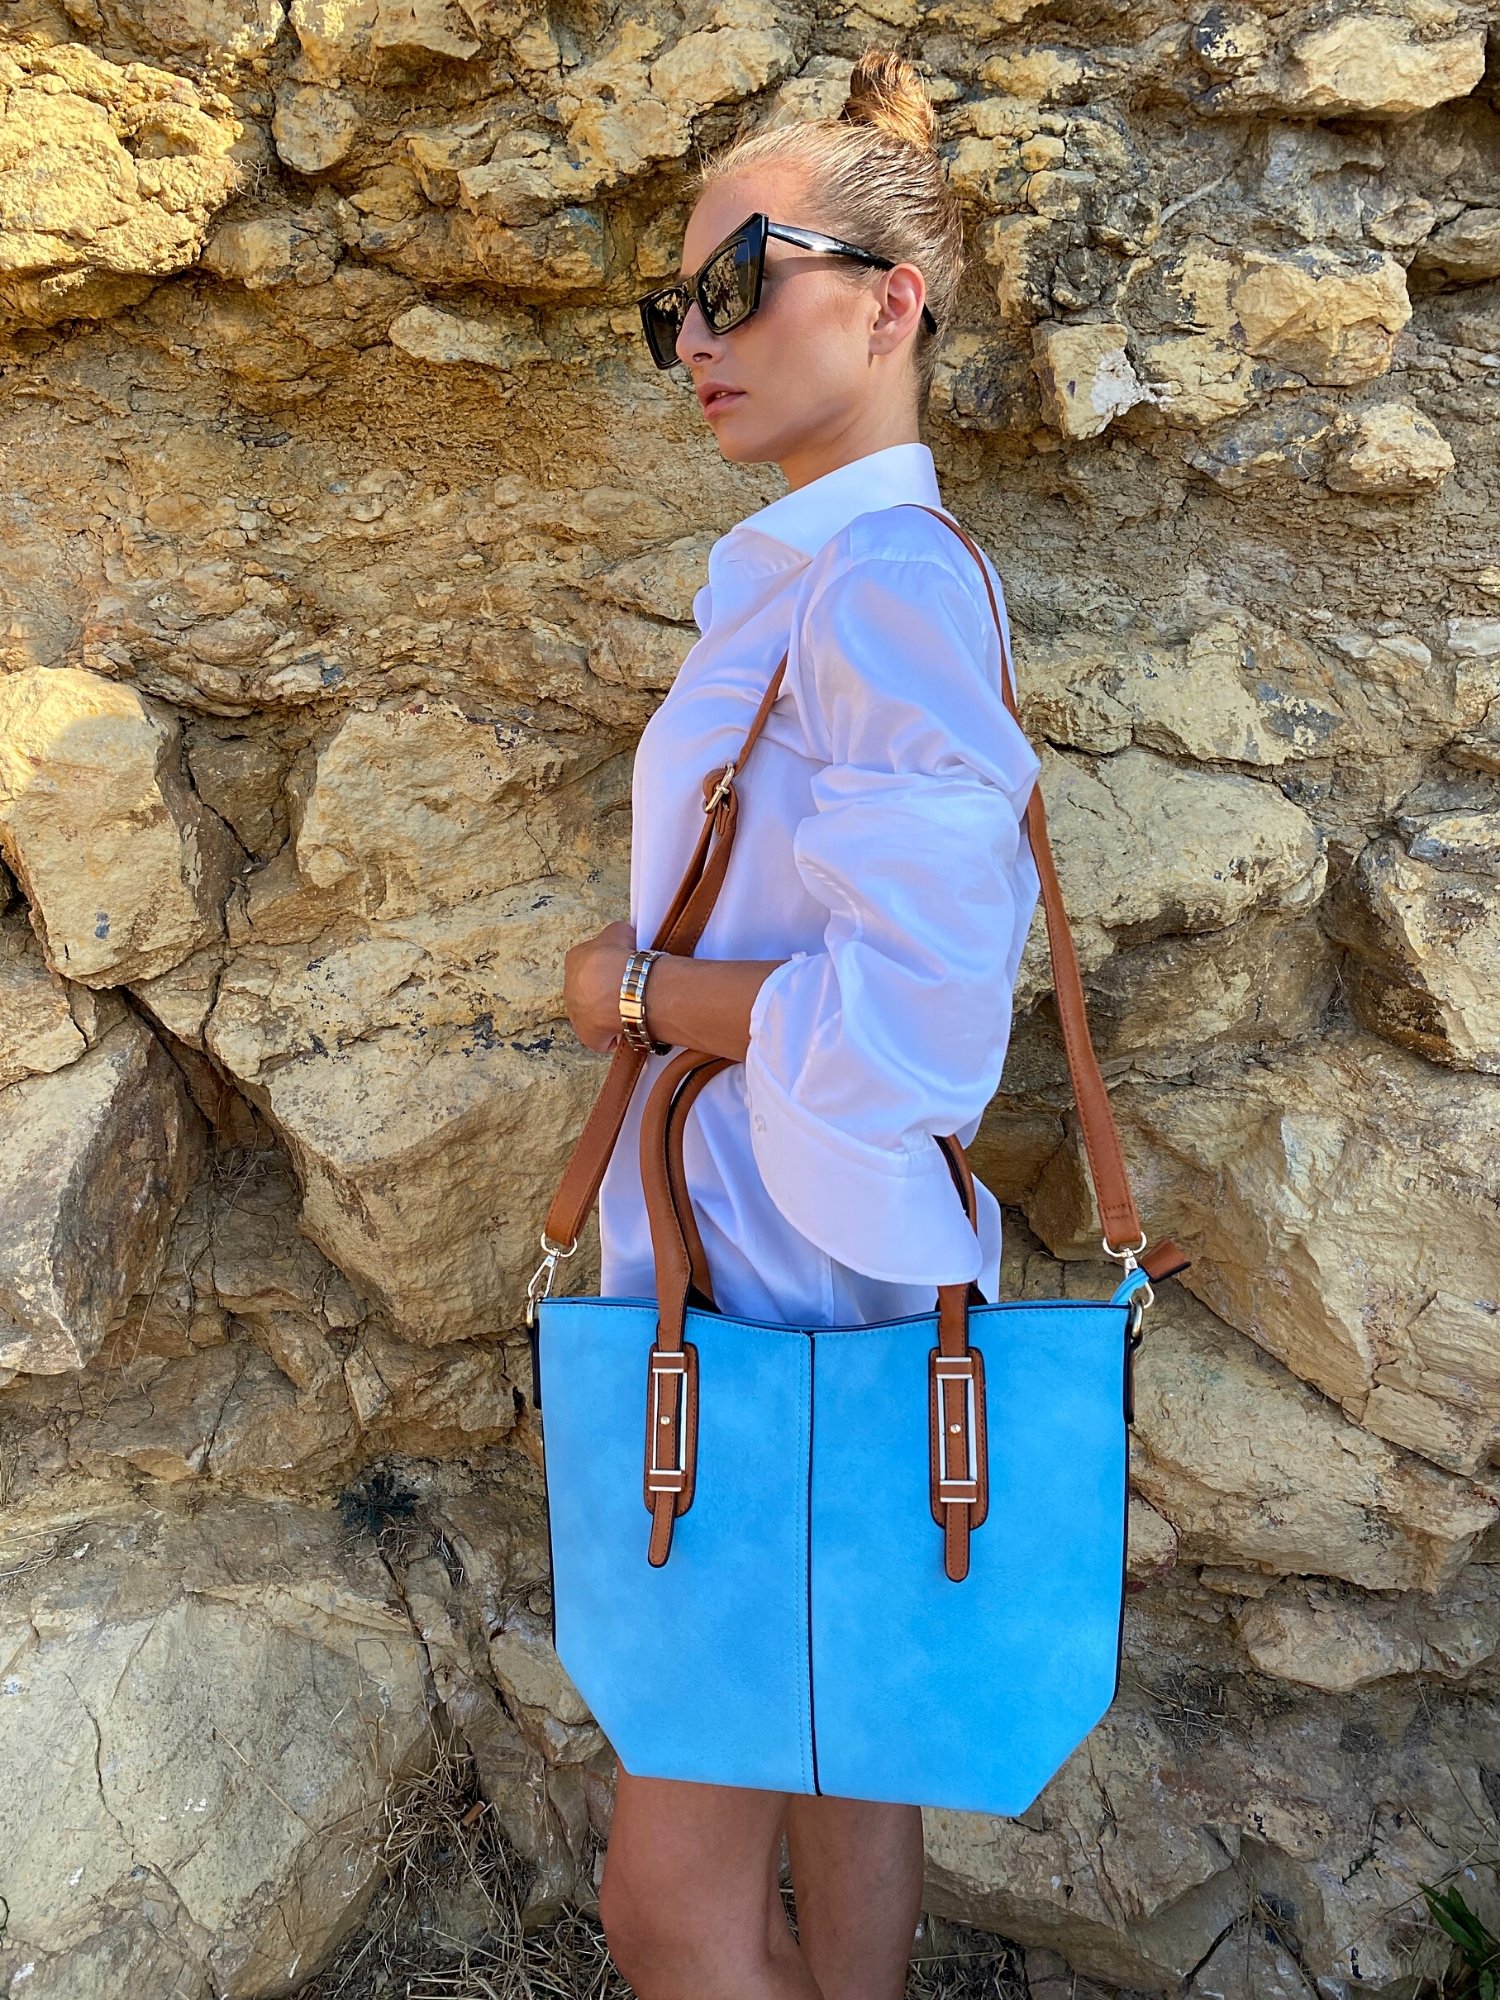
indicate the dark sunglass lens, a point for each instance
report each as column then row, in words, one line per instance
column 729, row 284
column 663, row 317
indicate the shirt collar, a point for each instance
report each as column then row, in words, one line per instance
column 811, row 515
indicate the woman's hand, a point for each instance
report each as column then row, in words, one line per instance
column 592, row 972
column 691, row 1003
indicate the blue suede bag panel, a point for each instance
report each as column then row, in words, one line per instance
column 803, row 1635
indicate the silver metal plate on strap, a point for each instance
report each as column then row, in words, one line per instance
column 948, row 1368
column 668, row 1477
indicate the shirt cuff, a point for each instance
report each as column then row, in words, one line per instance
column 895, row 1216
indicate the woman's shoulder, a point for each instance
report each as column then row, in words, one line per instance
column 905, row 533
column 890, row 585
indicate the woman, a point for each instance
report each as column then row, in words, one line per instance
column 860, row 960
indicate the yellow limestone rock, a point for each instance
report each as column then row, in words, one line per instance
column 206, row 1700
column 1467, row 248
column 1340, row 1201
column 124, row 866
column 109, row 176
column 1330, row 319
column 1390, row 448
column 1086, row 376
column 1374, row 67
column 95, row 1160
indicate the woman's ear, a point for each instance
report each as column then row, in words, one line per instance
column 905, row 295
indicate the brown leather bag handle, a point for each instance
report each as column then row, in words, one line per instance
column 958, row 1457
column 699, row 1278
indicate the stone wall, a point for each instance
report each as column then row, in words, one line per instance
column 349, row 537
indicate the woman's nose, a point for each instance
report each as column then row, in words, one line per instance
column 696, row 341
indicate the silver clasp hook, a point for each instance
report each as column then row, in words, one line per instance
column 1129, row 1262
column 721, row 790
column 542, row 1276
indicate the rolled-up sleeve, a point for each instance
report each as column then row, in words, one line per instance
column 896, row 1030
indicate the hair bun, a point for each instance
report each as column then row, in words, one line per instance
column 885, row 90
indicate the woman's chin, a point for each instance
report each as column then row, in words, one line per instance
column 742, row 446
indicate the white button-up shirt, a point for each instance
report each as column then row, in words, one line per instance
column 882, row 852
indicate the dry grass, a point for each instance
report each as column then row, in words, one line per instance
column 959, row 1963
column 448, row 1918
column 448, row 1922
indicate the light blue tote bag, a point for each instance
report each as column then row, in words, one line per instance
column 883, row 1561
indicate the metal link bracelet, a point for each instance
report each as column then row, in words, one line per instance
column 633, row 1002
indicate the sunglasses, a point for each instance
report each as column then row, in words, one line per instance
column 727, row 283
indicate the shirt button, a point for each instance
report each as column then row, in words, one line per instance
column 760, row 1121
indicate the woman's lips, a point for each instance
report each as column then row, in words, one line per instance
column 721, row 399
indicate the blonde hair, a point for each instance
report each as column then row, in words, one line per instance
column 874, row 177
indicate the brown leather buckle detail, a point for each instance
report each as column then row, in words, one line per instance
column 958, row 1444
column 671, row 1422
column 671, row 1441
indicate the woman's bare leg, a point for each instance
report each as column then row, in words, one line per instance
column 690, row 1875
column 857, row 1874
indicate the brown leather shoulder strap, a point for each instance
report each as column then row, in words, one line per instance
column 684, row 924
column 679, row 931
column 1117, row 1210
